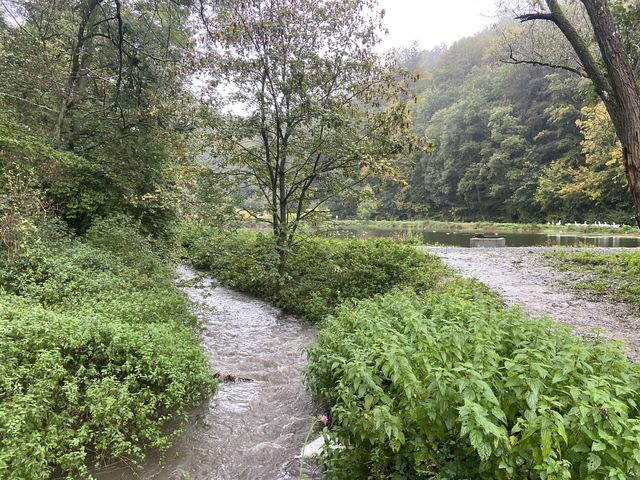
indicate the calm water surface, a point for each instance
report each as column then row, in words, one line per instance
column 513, row 239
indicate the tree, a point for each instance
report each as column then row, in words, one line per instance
column 594, row 182
column 107, row 81
column 316, row 110
column 610, row 70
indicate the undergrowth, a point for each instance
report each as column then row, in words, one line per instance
column 615, row 276
column 430, row 377
column 451, row 385
column 321, row 273
column 99, row 352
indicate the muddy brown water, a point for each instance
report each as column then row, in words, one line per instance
column 251, row 429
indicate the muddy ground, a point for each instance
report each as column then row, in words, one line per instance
column 523, row 276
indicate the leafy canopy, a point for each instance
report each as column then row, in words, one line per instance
column 311, row 109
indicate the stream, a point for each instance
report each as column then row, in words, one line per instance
column 252, row 428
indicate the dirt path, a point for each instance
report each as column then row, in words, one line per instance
column 524, row 277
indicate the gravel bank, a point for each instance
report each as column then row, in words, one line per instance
column 524, row 277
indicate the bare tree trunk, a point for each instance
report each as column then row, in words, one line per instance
column 76, row 62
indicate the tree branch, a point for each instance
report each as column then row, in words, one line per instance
column 514, row 61
column 528, row 17
column 44, row 107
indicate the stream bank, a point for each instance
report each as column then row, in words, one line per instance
column 522, row 276
column 250, row 429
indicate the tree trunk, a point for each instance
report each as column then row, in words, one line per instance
column 631, row 168
column 615, row 84
column 282, row 236
column 76, row 62
column 623, row 101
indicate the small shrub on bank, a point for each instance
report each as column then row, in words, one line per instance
column 320, row 273
column 453, row 386
column 98, row 353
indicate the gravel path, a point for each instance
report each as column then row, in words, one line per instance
column 524, row 277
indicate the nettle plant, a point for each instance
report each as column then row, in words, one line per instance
column 454, row 386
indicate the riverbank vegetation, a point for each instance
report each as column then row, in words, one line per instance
column 427, row 375
column 98, row 354
column 486, row 226
column 321, row 273
column 614, row 276
column 452, row 385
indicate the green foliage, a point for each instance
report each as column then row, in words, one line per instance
column 38, row 178
column 104, row 121
column 54, row 179
column 615, row 275
column 322, row 110
column 320, row 272
column 506, row 143
column 453, row 386
column 98, row 352
column 595, row 182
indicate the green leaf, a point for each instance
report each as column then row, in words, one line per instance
column 593, row 462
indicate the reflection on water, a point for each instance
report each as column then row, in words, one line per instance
column 514, row 239
column 251, row 429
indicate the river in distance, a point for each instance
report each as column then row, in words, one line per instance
column 513, row 239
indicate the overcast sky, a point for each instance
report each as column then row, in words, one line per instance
column 433, row 22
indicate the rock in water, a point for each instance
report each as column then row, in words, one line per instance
column 312, row 449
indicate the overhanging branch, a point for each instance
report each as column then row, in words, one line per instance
column 515, row 61
column 528, row 17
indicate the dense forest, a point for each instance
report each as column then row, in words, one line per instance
column 138, row 135
column 515, row 143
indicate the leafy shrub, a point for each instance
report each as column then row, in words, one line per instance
column 325, row 272
column 320, row 273
column 70, row 182
column 453, row 386
column 98, row 353
column 132, row 177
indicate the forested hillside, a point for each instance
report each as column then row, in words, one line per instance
column 515, row 143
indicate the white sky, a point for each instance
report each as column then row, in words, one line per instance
column 433, row 22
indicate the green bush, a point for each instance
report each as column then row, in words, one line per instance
column 453, row 386
column 133, row 176
column 320, row 273
column 98, row 353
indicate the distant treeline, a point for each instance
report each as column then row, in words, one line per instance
column 512, row 143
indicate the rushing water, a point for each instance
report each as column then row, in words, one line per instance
column 250, row 429
column 513, row 239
